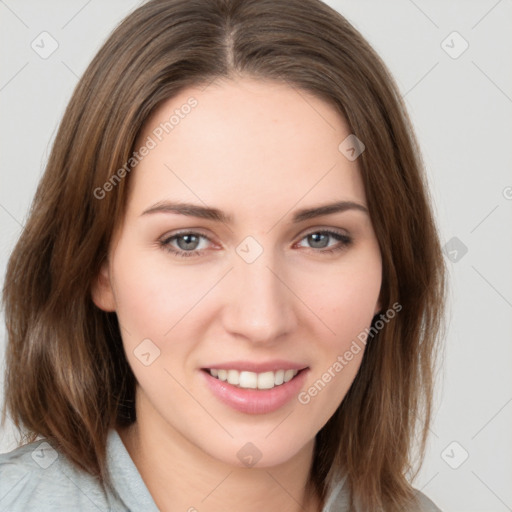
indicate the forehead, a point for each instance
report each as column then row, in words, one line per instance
column 264, row 143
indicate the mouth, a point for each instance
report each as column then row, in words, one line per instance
column 253, row 392
column 252, row 380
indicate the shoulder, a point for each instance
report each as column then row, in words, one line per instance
column 425, row 504
column 36, row 476
column 338, row 499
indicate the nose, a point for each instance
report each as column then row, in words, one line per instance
column 260, row 306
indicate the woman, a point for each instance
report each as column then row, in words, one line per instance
column 230, row 287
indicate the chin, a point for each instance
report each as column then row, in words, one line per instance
column 260, row 451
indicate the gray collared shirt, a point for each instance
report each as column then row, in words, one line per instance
column 36, row 477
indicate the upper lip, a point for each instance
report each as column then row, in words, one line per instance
column 252, row 366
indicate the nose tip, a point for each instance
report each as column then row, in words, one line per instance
column 259, row 307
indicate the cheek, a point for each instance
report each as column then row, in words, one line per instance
column 347, row 305
column 152, row 295
column 355, row 307
column 346, row 301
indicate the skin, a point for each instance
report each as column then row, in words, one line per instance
column 259, row 151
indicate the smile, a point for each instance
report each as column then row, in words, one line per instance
column 255, row 392
column 252, row 380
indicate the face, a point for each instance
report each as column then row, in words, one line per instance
column 243, row 283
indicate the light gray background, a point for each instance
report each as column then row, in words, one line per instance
column 462, row 111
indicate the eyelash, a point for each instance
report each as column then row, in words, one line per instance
column 345, row 240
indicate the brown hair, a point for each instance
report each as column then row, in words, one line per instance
column 67, row 377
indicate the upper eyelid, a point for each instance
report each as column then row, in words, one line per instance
column 177, row 234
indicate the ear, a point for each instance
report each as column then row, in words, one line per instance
column 101, row 290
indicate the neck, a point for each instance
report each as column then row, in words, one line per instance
column 182, row 477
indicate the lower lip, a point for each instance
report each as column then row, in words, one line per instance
column 255, row 401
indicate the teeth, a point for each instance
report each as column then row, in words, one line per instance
column 233, row 377
column 288, row 375
column 266, row 380
column 252, row 380
column 247, row 379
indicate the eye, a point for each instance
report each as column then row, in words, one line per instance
column 188, row 244
column 320, row 240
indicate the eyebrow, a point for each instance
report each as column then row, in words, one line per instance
column 214, row 214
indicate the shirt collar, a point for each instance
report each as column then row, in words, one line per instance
column 133, row 492
column 125, row 476
column 337, row 496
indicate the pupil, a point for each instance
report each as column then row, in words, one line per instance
column 189, row 240
column 315, row 239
